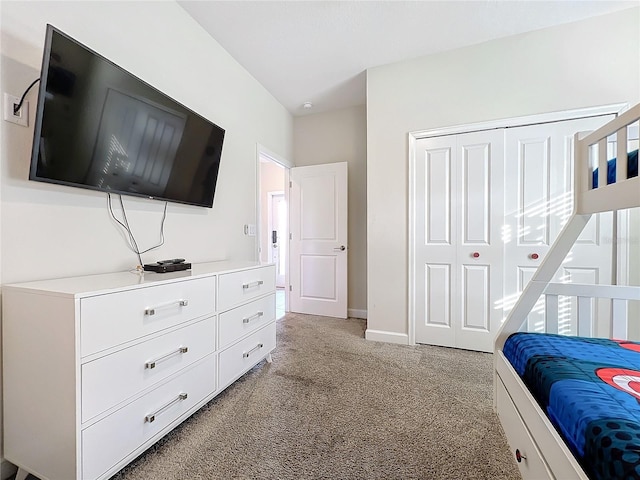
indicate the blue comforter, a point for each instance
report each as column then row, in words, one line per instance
column 632, row 169
column 590, row 390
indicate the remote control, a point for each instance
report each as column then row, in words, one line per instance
column 172, row 261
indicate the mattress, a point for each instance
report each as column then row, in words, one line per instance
column 590, row 390
column 632, row 169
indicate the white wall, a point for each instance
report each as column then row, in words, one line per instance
column 52, row 231
column 340, row 136
column 587, row 63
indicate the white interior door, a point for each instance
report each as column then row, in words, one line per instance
column 318, row 244
column 458, row 253
column 277, row 211
column 539, row 201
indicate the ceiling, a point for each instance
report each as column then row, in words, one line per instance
column 318, row 51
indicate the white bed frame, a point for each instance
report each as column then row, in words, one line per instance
column 539, row 450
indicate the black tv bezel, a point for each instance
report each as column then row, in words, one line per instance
column 35, row 149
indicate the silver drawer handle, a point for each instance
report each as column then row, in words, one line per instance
column 257, row 283
column 254, row 349
column 252, row 317
column 152, row 363
column 152, row 310
column 152, row 416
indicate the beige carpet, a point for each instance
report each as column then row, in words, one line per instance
column 335, row 406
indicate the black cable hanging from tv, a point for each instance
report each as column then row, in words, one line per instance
column 16, row 108
column 132, row 244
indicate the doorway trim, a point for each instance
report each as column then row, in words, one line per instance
column 270, row 227
column 416, row 135
column 263, row 152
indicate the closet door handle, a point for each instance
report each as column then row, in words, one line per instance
column 252, row 317
column 254, row 349
column 152, row 416
column 475, row 254
column 534, row 256
column 341, row 248
column 152, row 310
column 152, row 363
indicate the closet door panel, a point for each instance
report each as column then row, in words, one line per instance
column 479, row 187
column 476, row 204
column 533, row 159
column 437, row 187
column 437, row 279
column 538, row 203
column 476, row 309
column 435, row 252
column 458, row 254
column 488, row 206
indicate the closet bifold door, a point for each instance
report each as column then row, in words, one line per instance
column 538, row 202
column 458, row 251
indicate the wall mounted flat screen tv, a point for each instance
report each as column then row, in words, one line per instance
column 100, row 127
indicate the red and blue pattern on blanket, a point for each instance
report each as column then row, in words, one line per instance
column 590, row 390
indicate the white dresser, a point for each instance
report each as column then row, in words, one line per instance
column 98, row 368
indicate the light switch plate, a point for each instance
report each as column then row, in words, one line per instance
column 20, row 118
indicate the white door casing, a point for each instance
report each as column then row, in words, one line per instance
column 538, row 202
column 458, row 249
column 262, row 154
column 277, row 211
column 318, row 244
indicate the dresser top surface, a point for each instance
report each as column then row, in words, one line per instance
column 89, row 285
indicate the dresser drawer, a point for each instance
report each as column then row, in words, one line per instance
column 240, row 321
column 239, row 358
column 110, row 440
column 112, row 319
column 111, row 379
column 240, row 287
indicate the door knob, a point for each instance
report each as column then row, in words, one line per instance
column 475, row 254
column 534, row 256
column 341, row 248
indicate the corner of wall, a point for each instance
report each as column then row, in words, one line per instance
column 388, row 337
column 357, row 313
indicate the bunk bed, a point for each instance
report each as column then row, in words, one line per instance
column 570, row 406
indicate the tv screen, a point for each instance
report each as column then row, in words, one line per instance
column 100, row 127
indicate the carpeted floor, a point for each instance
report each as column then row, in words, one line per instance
column 334, row 406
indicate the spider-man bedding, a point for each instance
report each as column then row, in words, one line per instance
column 590, row 390
column 632, row 169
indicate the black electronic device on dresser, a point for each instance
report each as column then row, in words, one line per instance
column 166, row 266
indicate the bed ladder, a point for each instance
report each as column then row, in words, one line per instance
column 544, row 274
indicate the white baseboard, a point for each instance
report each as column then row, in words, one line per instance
column 355, row 313
column 7, row 469
column 389, row 337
